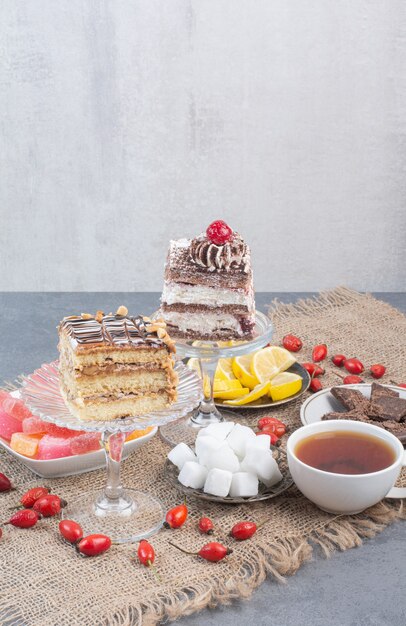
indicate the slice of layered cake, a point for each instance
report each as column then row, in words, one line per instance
column 208, row 290
column 114, row 366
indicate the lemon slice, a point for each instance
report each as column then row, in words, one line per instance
column 231, row 394
column 224, row 370
column 241, row 369
column 263, row 365
column 284, row 385
column 255, row 394
column 283, row 358
column 229, row 385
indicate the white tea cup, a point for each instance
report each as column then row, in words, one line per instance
column 345, row 493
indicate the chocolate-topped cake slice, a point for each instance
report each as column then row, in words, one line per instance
column 208, row 289
column 114, row 366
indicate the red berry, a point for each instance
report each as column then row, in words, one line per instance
column 49, row 505
column 378, row 370
column 29, row 498
column 212, row 551
column 5, row 483
column 313, row 369
column 146, row 553
column 354, row 366
column 338, row 359
column 70, row 530
column 176, row 517
column 92, row 545
column 219, row 232
column 319, row 352
column 268, row 430
column 266, row 421
column 206, row 525
column 315, row 385
column 352, row 380
column 24, row 518
column 243, row 530
column 292, row 343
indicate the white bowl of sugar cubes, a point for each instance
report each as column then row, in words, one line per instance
column 229, row 463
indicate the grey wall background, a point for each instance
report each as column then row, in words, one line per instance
column 125, row 123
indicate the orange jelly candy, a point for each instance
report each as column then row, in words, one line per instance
column 138, row 433
column 27, row 445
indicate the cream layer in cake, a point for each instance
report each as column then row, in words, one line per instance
column 180, row 293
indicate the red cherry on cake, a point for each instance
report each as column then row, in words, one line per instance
column 219, row 232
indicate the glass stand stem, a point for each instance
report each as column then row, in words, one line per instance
column 113, row 448
column 207, row 413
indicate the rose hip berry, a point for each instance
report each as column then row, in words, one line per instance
column 29, row 498
column 176, row 517
column 292, row 343
column 146, row 553
column 267, row 421
column 49, row 505
column 354, row 366
column 70, row 530
column 313, row 369
column 267, row 430
column 92, row 545
column 315, row 385
column 319, row 352
column 352, row 380
column 338, row 359
column 5, row 483
column 26, row 518
column 219, row 232
column 377, row 370
column 243, row 530
column 212, row 551
column 206, row 526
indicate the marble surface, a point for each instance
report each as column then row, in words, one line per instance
column 360, row 587
column 126, row 123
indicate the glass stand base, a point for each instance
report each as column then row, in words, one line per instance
column 129, row 518
column 186, row 429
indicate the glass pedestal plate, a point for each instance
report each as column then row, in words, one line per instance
column 126, row 515
column 208, row 353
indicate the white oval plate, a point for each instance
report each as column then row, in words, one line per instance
column 71, row 465
column 322, row 402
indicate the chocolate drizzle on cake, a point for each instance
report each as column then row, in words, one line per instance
column 231, row 255
column 111, row 329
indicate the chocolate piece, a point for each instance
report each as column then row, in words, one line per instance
column 350, row 398
column 388, row 408
column 379, row 391
column 346, row 415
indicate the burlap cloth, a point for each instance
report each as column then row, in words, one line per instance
column 44, row 582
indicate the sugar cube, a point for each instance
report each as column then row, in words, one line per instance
column 243, row 485
column 219, row 431
column 223, row 458
column 261, row 442
column 204, row 446
column 218, row 482
column 193, row 475
column 180, row 454
column 262, row 463
column 238, row 437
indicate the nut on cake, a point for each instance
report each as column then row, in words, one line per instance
column 114, row 366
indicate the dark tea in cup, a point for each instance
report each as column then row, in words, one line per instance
column 345, row 452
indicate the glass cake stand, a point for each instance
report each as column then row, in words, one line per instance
column 126, row 515
column 208, row 353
